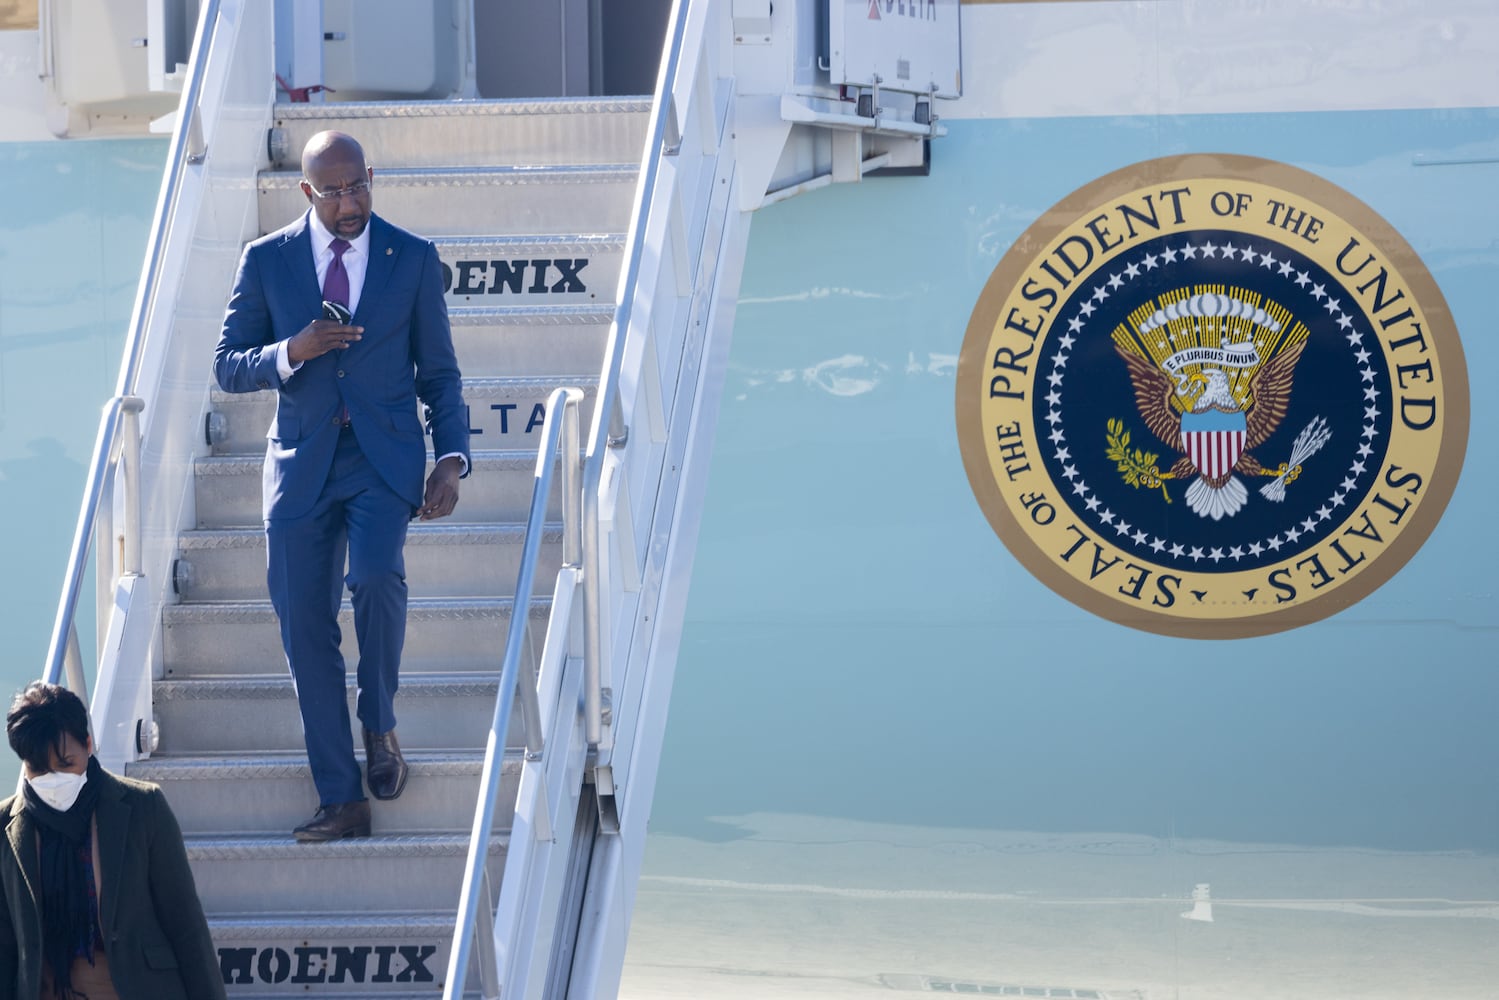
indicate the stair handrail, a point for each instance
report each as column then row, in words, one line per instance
column 607, row 429
column 565, row 400
column 117, row 445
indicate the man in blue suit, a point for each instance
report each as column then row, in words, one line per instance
column 345, row 453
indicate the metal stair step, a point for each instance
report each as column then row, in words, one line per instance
column 535, row 131
column 504, row 413
column 389, row 955
column 443, row 635
column 472, row 201
column 272, row 793
column 498, row 488
column 276, row 874
column 535, row 270
column 547, row 341
column 259, row 714
column 442, row 560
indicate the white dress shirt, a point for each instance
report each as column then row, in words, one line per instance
column 356, row 262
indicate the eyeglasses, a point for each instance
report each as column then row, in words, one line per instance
column 354, row 190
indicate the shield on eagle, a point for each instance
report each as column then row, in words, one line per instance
column 1214, row 440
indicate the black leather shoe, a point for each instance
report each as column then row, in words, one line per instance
column 384, row 767
column 335, row 822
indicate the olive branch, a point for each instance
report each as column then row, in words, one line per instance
column 1137, row 467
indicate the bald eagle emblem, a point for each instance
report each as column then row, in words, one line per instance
column 1212, row 375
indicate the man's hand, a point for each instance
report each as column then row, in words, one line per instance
column 318, row 338
column 442, row 489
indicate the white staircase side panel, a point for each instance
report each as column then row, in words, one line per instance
column 543, row 828
column 124, row 689
column 681, row 289
column 652, row 637
column 215, row 213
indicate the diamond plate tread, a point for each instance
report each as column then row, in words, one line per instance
column 392, row 846
column 275, row 688
column 417, row 534
column 547, row 130
column 522, row 388
column 249, row 926
column 452, row 609
column 499, row 460
column 530, row 243
column 460, row 315
column 471, row 177
column 285, row 113
column 484, row 386
column 215, row 767
column 527, row 386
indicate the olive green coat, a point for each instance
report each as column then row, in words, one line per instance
column 155, row 934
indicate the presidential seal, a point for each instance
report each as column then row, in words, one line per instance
column 1212, row 397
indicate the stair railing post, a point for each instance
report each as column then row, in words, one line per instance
column 107, row 554
column 567, row 455
column 73, row 667
column 572, row 490
column 489, row 966
column 130, row 477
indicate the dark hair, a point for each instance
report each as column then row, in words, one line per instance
column 39, row 718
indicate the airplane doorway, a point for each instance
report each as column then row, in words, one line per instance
column 574, row 48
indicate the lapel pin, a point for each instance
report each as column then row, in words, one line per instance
column 389, row 251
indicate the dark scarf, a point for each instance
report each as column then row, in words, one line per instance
column 70, row 922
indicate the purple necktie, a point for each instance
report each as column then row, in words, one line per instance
column 336, row 281
column 336, row 289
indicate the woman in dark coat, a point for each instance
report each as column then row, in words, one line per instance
column 96, row 897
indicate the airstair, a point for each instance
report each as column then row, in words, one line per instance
column 592, row 251
column 531, row 301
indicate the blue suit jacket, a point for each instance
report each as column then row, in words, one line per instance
column 406, row 353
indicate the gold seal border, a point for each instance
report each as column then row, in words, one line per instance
column 1199, row 167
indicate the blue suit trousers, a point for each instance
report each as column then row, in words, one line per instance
column 357, row 516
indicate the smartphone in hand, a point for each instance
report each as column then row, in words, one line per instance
column 337, row 312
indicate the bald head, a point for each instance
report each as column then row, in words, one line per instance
column 337, row 182
column 327, row 147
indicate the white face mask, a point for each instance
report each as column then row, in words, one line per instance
column 59, row 789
